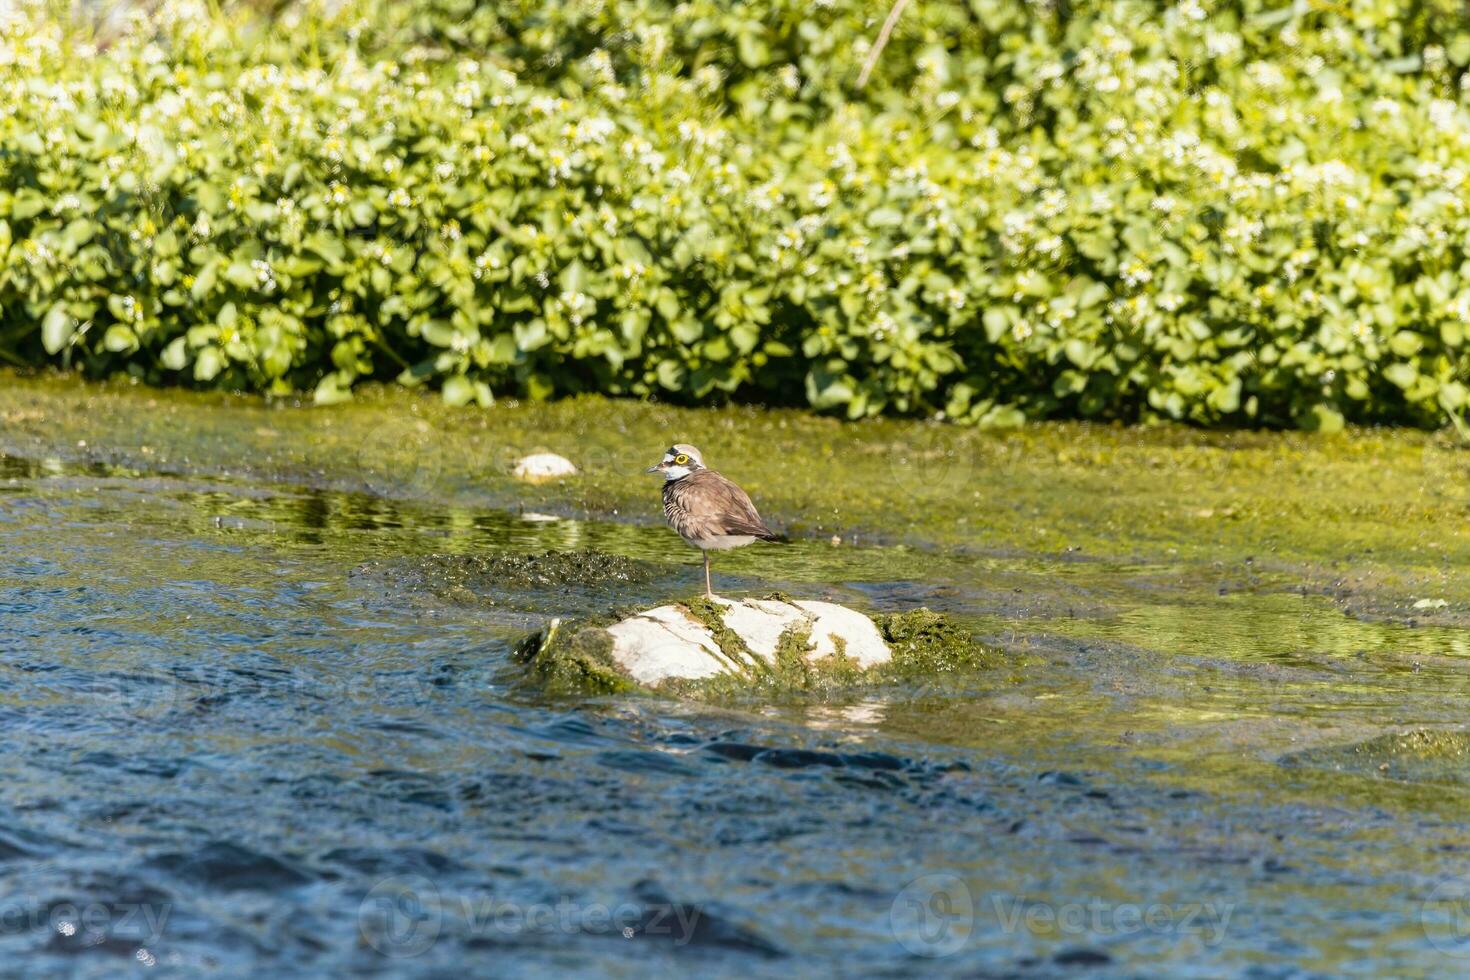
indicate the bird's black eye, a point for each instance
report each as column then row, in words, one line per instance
column 681, row 459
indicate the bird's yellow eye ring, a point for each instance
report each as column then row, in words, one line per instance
column 681, row 459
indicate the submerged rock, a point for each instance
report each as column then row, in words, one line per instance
column 712, row 647
column 539, row 467
column 1417, row 756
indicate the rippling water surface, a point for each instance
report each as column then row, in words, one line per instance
column 241, row 737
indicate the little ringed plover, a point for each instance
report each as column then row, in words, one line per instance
column 708, row 511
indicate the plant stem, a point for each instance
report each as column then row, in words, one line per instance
column 889, row 23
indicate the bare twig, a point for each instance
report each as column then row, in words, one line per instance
column 889, row 23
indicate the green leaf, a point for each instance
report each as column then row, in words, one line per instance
column 1401, row 374
column 204, row 282
column 326, row 246
column 175, row 355
column 531, row 335
column 745, row 337
column 1458, row 50
column 753, row 51
column 574, row 277
column 27, row 203
column 670, row 374
column 1405, row 343
column 78, row 233
column 240, row 275
column 458, row 390
column 333, row 389
column 208, row 363
column 686, row 329
column 1323, row 418
column 119, row 338
column 885, row 217
column 57, row 328
column 1080, row 352
column 1226, row 398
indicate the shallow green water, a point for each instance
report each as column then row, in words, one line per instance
column 244, row 734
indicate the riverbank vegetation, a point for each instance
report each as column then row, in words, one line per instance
column 1237, row 214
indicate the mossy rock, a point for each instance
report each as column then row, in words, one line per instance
column 574, row 660
column 711, row 648
column 1429, row 756
column 479, row 578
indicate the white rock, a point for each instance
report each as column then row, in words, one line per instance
column 543, row 466
column 864, row 643
column 668, row 642
column 664, row 643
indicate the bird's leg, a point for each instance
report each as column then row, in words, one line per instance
column 709, row 593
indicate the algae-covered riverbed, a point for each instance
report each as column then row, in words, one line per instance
column 262, row 711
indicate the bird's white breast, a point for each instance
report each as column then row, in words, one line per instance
column 721, row 542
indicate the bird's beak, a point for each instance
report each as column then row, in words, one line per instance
column 655, row 468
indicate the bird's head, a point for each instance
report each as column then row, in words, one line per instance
column 679, row 461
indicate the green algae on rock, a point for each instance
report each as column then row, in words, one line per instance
column 480, row 577
column 927, row 644
column 574, row 660
column 1415, row 756
column 715, row 649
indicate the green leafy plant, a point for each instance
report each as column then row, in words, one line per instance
column 1234, row 214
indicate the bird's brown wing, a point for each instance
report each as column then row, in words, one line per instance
column 704, row 504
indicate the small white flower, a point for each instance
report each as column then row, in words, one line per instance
column 709, row 78
column 485, row 262
column 1442, row 114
